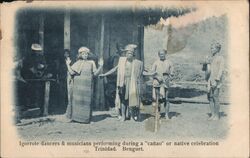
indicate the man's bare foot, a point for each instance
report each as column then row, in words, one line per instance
column 210, row 118
column 167, row 117
column 121, row 118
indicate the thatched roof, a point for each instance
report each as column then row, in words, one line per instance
column 144, row 15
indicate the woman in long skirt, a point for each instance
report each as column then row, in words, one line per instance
column 82, row 72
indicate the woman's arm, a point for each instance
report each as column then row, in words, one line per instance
column 97, row 71
column 71, row 72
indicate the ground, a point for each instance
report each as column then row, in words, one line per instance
column 188, row 121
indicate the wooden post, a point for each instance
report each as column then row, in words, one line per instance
column 46, row 98
column 106, row 54
column 102, row 37
column 135, row 40
column 67, row 46
column 41, row 31
column 141, row 41
column 67, row 29
column 67, row 38
column 100, row 85
column 47, row 83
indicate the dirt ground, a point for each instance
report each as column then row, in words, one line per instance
column 188, row 121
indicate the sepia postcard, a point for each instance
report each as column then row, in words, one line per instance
column 125, row 79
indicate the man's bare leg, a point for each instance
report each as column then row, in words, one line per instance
column 211, row 105
column 119, row 116
column 123, row 111
column 216, row 104
column 212, row 109
column 167, row 105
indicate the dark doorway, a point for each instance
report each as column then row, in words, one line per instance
column 78, row 33
column 54, row 52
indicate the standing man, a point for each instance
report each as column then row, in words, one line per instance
column 129, row 73
column 34, row 70
column 214, row 68
column 163, row 72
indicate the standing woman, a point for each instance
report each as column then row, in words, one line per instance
column 82, row 72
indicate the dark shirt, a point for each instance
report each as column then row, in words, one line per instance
column 36, row 62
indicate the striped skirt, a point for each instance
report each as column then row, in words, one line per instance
column 82, row 93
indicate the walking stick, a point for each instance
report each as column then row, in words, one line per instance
column 157, row 91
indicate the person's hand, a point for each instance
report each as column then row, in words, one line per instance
column 33, row 70
column 49, row 75
column 68, row 61
column 207, row 60
column 20, row 78
column 101, row 75
column 217, row 82
column 41, row 66
column 100, row 62
column 213, row 83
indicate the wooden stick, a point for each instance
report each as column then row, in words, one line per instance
column 46, row 98
column 157, row 91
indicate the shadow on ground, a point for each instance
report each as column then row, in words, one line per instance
column 101, row 117
column 222, row 114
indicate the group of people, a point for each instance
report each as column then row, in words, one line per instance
column 129, row 72
column 128, row 77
